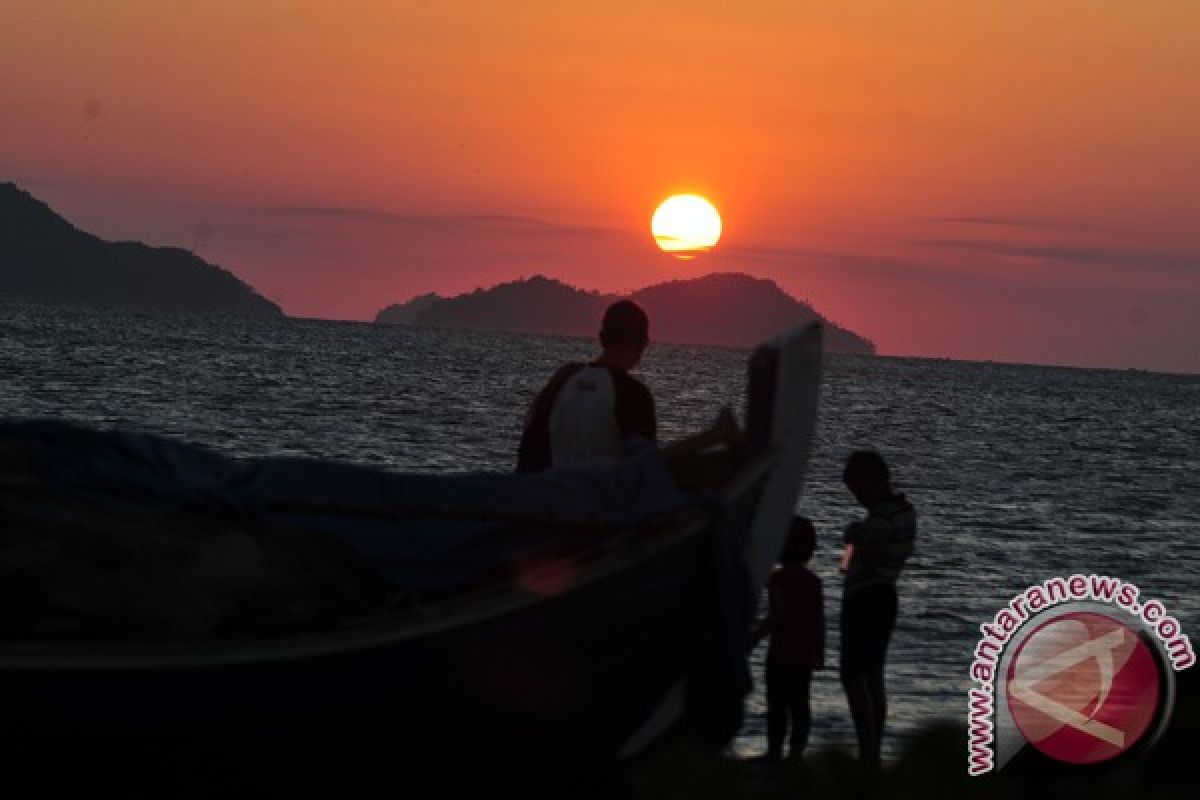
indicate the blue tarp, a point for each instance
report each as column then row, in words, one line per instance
column 420, row 531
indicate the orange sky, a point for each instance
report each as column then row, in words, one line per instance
column 1014, row 181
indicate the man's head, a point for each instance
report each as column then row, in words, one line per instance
column 801, row 542
column 624, row 333
column 867, row 477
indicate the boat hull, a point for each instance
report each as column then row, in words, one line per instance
column 547, row 691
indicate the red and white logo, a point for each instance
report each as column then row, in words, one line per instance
column 1083, row 687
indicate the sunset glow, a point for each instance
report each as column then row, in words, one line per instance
column 686, row 225
column 942, row 177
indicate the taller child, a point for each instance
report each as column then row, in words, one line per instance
column 876, row 549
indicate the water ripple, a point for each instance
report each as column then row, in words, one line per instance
column 1019, row 472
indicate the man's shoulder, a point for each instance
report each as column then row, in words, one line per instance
column 628, row 383
column 564, row 373
column 549, row 393
column 567, row 369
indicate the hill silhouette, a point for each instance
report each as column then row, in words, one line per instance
column 730, row 309
column 44, row 258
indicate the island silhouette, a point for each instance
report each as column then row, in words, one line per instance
column 46, row 259
column 728, row 309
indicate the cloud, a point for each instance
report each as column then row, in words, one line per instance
column 510, row 223
column 755, row 253
column 1101, row 256
column 26, row 182
column 1031, row 223
column 864, row 263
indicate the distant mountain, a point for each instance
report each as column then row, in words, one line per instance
column 537, row 305
column 722, row 308
column 406, row 313
column 45, row 258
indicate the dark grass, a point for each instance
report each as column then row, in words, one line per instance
column 932, row 764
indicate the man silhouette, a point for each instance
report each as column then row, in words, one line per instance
column 588, row 411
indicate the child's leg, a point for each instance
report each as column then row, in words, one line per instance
column 776, row 712
column 801, row 710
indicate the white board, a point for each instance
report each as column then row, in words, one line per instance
column 796, row 359
column 793, row 423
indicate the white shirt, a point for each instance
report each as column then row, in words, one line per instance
column 583, row 422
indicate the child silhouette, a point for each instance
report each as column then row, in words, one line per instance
column 795, row 622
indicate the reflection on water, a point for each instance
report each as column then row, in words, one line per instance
column 1019, row 473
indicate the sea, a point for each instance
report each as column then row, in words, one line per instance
column 1019, row 473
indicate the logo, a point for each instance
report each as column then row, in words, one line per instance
column 1084, row 687
column 1080, row 668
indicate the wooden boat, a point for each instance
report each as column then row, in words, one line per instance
column 538, row 685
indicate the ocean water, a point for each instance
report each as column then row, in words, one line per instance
column 1019, row 473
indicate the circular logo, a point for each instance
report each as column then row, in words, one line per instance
column 1084, row 687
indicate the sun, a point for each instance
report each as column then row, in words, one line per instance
column 686, row 225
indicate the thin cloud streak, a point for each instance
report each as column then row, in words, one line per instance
column 863, row 263
column 757, row 253
column 49, row 183
column 1028, row 223
column 512, row 222
column 1177, row 262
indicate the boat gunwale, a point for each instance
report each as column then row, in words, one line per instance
column 602, row 561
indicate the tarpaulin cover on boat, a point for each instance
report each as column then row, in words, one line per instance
column 101, row 528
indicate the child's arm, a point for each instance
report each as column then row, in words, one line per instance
column 763, row 628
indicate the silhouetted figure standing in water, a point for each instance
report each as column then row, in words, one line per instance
column 587, row 411
column 796, row 624
column 876, row 549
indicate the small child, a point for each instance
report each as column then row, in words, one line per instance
column 796, row 624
